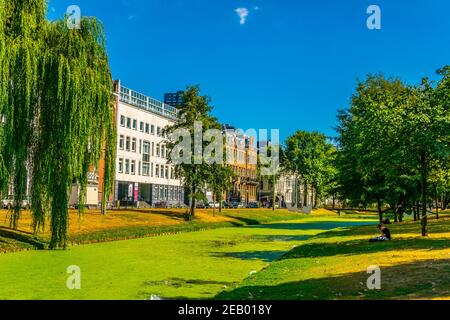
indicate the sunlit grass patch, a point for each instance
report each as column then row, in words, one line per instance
column 333, row 265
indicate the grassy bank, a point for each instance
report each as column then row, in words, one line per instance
column 190, row 265
column 334, row 265
column 92, row 227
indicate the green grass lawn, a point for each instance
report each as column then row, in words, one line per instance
column 187, row 265
column 333, row 265
column 92, row 227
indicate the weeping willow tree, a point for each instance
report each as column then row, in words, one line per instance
column 58, row 111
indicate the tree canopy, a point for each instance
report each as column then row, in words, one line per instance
column 394, row 143
column 56, row 102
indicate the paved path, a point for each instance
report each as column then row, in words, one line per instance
column 190, row 265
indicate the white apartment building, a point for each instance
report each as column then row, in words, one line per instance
column 143, row 176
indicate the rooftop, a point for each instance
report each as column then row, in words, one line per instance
column 147, row 103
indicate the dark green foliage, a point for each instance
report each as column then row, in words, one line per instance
column 394, row 144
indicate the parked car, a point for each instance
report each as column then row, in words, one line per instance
column 213, row 204
column 238, row 205
column 226, row 205
column 201, row 205
column 9, row 203
column 253, row 205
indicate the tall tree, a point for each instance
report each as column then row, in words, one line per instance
column 392, row 139
column 58, row 111
column 220, row 181
column 368, row 139
column 308, row 154
column 195, row 119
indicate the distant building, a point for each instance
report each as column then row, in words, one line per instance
column 143, row 175
column 242, row 156
column 174, row 99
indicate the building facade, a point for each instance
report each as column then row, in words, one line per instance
column 174, row 99
column 242, row 155
column 143, row 177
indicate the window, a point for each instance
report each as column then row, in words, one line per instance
column 146, row 159
column 163, row 151
column 133, row 145
column 127, row 145
column 158, row 153
column 140, row 146
column 141, row 126
column 133, row 167
column 139, row 168
column 167, row 172
column 151, row 169
column 153, row 149
column 127, row 166
column 129, row 123
column 147, row 128
column 120, row 165
column 152, row 129
column 156, row 192
column 157, row 171
column 134, row 124
column 122, row 121
column 121, row 142
column 158, row 131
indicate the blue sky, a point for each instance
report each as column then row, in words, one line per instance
column 290, row 65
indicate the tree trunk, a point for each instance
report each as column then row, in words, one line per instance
column 444, row 201
column 437, row 202
column 424, row 196
column 274, row 200
column 305, row 195
column 395, row 214
column 296, row 192
column 103, row 209
column 214, row 204
column 380, row 211
column 192, row 213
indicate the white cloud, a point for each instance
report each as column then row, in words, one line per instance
column 243, row 14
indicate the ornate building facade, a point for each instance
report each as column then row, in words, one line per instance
column 242, row 156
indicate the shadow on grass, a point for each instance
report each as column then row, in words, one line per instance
column 20, row 236
column 281, row 238
column 419, row 280
column 310, row 226
column 170, row 214
column 434, row 227
column 266, row 256
column 355, row 247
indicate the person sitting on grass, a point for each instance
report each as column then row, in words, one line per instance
column 385, row 234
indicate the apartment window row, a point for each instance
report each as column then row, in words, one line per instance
column 168, row 193
column 146, row 127
column 143, row 147
column 127, row 143
column 145, row 168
